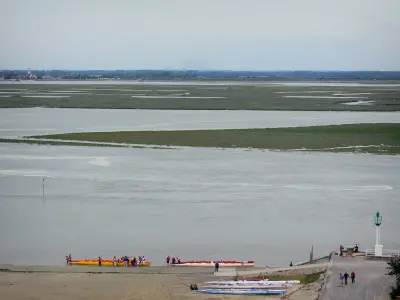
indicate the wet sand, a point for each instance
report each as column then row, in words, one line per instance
column 44, row 286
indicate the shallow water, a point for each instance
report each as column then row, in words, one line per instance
column 194, row 203
column 34, row 121
column 203, row 83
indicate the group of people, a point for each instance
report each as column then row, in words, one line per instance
column 132, row 261
column 172, row 261
column 346, row 276
column 68, row 258
column 341, row 249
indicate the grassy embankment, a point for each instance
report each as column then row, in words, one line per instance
column 304, row 278
column 207, row 97
column 364, row 138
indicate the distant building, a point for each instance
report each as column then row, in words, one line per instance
column 31, row 76
column 48, row 77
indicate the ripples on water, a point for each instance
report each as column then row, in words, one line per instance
column 194, row 203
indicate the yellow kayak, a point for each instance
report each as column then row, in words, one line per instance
column 105, row 263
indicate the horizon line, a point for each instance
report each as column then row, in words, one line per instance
column 197, row 70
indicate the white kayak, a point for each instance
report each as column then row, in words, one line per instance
column 242, row 292
column 243, row 282
column 263, row 287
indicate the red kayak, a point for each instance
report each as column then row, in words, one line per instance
column 219, row 261
column 211, row 263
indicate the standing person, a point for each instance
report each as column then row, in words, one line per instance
column 173, row 260
column 70, row 258
column 216, row 266
column 167, row 260
column 140, row 260
column 99, row 261
column 291, row 264
column 115, row 261
column 126, row 261
column 341, row 277
column 353, row 277
column 346, row 276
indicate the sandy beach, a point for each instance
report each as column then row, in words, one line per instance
column 34, row 283
column 67, row 286
column 16, row 286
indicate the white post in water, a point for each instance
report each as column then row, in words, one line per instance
column 378, row 246
column 43, row 186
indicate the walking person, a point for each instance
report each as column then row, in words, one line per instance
column 346, row 276
column 341, row 277
column 167, row 260
column 353, row 277
column 99, row 261
column 216, row 266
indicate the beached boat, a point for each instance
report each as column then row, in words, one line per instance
column 104, row 263
column 211, row 263
column 238, row 287
column 252, row 279
column 242, row 292
column 243, row 282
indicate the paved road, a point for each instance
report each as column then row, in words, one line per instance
column 371, row 281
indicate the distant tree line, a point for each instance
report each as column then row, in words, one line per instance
column 201, row 74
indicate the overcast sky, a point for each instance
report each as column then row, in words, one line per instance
column 200, row 34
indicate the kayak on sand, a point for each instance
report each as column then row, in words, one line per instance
column 104, row 263
column 242, row 292
column 211, row 263
column 238, row 287
column 253, row 279
column 241, row 282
